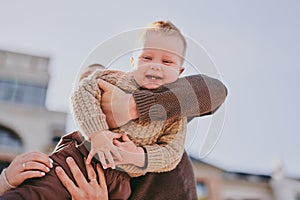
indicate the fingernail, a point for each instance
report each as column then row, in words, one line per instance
column 58, row 169
column 69, row 159
column 51, row 162
column 48, row 170
column 43, row 173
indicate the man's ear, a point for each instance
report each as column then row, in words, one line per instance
column 132, row 61
column 181, row 70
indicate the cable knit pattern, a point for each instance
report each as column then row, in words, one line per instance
column 86, row 108
column 163, row 140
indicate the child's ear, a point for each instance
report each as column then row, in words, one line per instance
column 132, row 61
column 181, row 70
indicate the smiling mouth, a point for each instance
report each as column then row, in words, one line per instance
column 153, row 77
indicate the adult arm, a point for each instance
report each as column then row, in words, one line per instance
column 24, row 166
column 191, row 96
column 85, row 100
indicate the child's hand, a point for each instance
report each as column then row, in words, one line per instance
column 131, row 154
column 102, row 143
column 126, row 144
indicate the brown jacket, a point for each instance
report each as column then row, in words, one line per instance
column 177, row 184
column 50, row 188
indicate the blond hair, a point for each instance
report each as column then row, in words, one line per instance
column 165, row 27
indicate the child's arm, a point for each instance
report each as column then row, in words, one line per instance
column 87, row 111
column 86, row 106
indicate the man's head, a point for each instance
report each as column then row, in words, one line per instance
column 90, row 69
column 162, row 55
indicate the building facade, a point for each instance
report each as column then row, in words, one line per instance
column 25, row 122
column 214, row 183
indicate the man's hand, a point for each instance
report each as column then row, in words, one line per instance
column 93, row 189
column 118, row 106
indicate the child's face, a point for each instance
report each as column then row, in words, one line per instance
column 160, row 61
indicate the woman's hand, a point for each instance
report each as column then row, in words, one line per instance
column 89, row 190
column 131, row 154
column 28, row 165
column 118, row 106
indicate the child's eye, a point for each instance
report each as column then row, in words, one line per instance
column 167, row 61
column 147, row 57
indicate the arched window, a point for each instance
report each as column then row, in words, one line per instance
column 9, row 139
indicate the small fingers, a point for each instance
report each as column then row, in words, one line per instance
column 117, row 154
column 110, row 160
column 117, row 143
column 117, row 135
column 102, row 159
column 125, row 137
column 90, row 157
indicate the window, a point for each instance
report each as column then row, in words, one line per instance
column 9, row 139
column 22, row 93
column 202, row 191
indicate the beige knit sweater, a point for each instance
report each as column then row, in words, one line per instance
column 163, row 140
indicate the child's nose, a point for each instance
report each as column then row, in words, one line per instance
column 155, row 67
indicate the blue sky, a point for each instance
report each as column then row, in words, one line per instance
column 254, row 45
